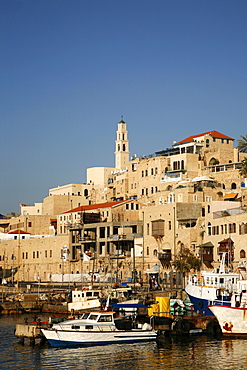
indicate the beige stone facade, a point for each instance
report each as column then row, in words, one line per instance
column 188, row 196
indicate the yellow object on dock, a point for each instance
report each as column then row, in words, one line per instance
column 161, row 308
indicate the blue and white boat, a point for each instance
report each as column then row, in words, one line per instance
column 209, row 286
column 98, row 328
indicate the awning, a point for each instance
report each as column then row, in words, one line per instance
column 208, row 244
column 128, row 305
column 202, row 178
column 230, row 196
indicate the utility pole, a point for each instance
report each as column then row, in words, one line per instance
column 18, row 258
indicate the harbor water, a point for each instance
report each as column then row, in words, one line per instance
column 192, row 353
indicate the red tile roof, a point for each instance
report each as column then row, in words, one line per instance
column 95, row 206
column 215, row 134
column 18, row 232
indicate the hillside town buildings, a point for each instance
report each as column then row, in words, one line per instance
column 135, row 218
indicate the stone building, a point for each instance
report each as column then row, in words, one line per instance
column 140, row 214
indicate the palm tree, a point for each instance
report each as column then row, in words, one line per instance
column 242, row 144
column 186, row 261
column 243, row 169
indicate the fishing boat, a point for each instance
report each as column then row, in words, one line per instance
column 85, row 299
column 232, row 318
column 98, row 328
column 214, row 285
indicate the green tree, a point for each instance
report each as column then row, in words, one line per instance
column 243, row 169
column 242, row 144
column 186, row 261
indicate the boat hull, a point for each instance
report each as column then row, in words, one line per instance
column 200, row 296
column 79, row 338
column 232, row 320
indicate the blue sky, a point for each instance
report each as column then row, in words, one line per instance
column 71, row 68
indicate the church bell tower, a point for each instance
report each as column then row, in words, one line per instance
column 122, row 147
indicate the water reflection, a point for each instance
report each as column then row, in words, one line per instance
column 193, row 353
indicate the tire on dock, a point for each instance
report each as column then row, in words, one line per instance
column 183, row 326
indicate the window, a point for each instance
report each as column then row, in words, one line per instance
column 169, row 225
column 127, row 206
column 207, row 143
column 242, row 254
column 50, row 253
column 29, row 224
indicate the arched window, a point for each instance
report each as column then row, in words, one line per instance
column 85, row 192
column 182, row 165
column 152, row 171
column 233, row 186
column 203, row 212
column 242, row 254
column 124, row 147
column 155, row 253
column 171, row 198
column 209, row 228
column 207, row 143
column 220, row 195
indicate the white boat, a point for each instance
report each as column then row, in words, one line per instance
column 233, row 319
column 86, row 299
column 97, row 328
column 207, row 286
